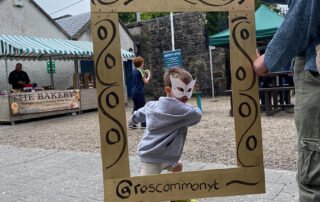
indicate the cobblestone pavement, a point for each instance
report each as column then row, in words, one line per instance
column 29, row 174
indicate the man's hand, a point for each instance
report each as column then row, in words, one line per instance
column 260, row 67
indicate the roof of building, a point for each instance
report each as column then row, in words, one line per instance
column 51, row 19
column 75, row 25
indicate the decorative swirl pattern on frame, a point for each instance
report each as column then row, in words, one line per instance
column 215, row 4
column 244, row 34
column 251, row 138
column 248, row 111
column 120, row 131
column 109, row 59
column 242, row 183
column 109, row 2
column 206, row 2
column 106, row 32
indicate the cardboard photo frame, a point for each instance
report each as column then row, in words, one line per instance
column 247, row 178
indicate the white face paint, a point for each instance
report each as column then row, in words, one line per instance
column 180, row 89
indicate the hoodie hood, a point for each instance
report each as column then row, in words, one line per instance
column 165, row 112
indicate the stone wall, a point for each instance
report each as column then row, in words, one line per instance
column 221, row 73
column 153, row 37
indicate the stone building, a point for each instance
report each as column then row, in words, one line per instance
column 29, row 19
column 153, row 37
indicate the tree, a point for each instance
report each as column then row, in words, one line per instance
column 128, row 17
column 131, row 17
column 148, row 16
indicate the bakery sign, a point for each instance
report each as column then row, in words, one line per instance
column 44, row 101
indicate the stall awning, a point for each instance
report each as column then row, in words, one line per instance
column 267, row 23
column 26, row 47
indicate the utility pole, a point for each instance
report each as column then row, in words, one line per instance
column 172, row 31
column 211, row 71
column 138, row 16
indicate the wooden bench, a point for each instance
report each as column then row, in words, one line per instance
column 273, row 102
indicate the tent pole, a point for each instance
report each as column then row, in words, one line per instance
column 51, row 73
column 211, row 69
column 7, row 72
column 76, row 70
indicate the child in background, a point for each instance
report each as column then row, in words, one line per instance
column 167, row 122
column 139, row 78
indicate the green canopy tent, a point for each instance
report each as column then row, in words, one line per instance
column 14, row 47
column 267, row 23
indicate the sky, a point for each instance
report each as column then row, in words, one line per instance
column 52, row 7
column 57, row 8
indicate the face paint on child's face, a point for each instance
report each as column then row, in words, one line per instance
column 180, row 89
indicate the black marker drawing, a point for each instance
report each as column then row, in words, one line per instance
column 110, row 2
column 244, row 34
column 215, row 4
column 121, row 135
column 255, row 111
column 109, row 60
column 253, row 139
column 241, row 74
column 104, row 2
column 242, row 183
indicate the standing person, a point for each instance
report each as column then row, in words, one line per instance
column 18, row 78
column 167, row 122
column 140, row 77
column 299, row 35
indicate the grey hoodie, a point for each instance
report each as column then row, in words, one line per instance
column 167, row 122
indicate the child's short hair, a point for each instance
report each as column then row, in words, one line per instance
column 138, row 61
column 182, row 74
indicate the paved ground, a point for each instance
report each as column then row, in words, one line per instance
column 51, row 175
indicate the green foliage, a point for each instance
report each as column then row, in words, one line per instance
column 148, row 16
column 217, row 22
column 257, row 4
column 274, row 7
column 131, row 17
column 128, row 17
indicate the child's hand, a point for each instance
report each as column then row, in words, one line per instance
column 147, row 73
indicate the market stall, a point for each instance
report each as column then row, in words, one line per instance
column 86, row 80
column 37, row 101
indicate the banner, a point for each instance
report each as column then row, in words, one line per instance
column 44, row 101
